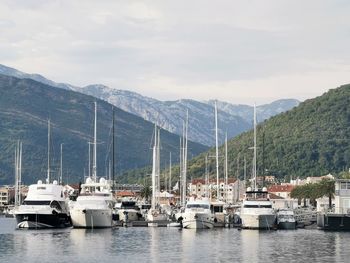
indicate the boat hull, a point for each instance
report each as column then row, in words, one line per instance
column 34, row 221
column 250, row 221
column 91, row 218
column 287, row 225
column 129, row 215
column 197, row 221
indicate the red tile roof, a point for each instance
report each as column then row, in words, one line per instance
column 280, row 188
column 125, row 193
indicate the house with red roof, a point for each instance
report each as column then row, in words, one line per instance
column 281, row 190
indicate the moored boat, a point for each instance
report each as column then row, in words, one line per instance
column 197, row 215
column 44, row 207
column 256, row 210
column 286, row 219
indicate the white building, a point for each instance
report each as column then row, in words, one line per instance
column 231, row 193
column 342, row 196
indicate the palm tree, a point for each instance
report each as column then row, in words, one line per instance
column 146, row 192
column 327, row 188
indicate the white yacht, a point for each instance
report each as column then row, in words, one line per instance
column 44, row 207
column 256, row 210
column 128, row 211
column 94, row 205
column 197, row 215
column 286, row 219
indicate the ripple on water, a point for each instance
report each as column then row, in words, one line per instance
column 169, row 245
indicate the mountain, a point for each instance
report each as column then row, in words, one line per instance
column 170, row 114
column 25, row 106
column 264, row 111
column 309, row 140
column 234, row 119
column 4, row 70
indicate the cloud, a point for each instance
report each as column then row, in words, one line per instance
column 239, row 51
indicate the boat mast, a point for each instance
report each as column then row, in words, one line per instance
column 254, row 160
column 154, row 169
column 113, row 148
column 48, row 151
column 170, row 172
column 16, row 172
column 226, row 169
column 184, row 178
column 89, row 159
column 94, row 165
column 20, row 173
column 61, row 165
column 180, row 168
column 217, row 151
column 158, row 165
column 206, row 177
column 245, row 171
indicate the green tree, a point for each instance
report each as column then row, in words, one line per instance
column 327, row 188
column 146, row 192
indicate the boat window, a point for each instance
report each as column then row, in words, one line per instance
column 27, row 202
column 216, row 209
column 55, row 204
column 258, row 206
column 204, row 206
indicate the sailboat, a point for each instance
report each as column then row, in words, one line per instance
column 155, row 215
column 256, row 209
column 45, row 205
column 94, row 205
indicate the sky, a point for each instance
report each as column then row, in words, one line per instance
column 237, row 51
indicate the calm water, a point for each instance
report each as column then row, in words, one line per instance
column 170, row 245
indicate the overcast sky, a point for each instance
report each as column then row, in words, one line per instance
column 236, row 51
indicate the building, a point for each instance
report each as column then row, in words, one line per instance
column 233, row 189
column 270, row 179
column 6, row 194
column 281, row 190
column 311, row 179
column 342, row 196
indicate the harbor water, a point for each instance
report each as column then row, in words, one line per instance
column 152, row 244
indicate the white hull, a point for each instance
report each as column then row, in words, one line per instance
column 255, row 221
column 154, row 218
column 197, row 221
column 128, row 215
column 91, row 218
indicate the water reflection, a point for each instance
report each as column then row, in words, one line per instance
column 170, row 245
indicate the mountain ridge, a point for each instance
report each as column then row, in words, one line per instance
column 25, row 106
column 234, row 119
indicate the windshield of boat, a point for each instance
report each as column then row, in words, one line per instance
column 36, row 202
column 204, row 206
column 257, row 206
